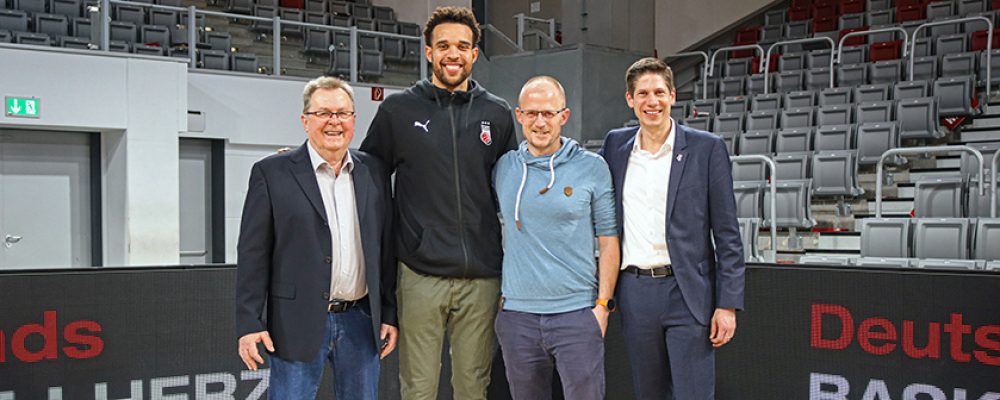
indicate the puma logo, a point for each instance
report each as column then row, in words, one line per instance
column 423, row 125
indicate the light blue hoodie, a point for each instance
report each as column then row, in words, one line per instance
column 552, row 207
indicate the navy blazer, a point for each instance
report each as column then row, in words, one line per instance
column 284, row 252
column 700, row 206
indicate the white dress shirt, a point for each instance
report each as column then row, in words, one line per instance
column 644, row 204
column 347, row 266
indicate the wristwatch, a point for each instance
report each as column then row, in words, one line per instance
column 610, row 304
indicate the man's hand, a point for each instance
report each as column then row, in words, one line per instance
column 601, row 313
column 388, row 336
column 723, row 326
column 248, row 348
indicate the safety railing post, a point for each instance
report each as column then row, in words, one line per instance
column 922, row 150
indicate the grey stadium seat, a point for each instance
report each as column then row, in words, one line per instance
column 875, row 139
column 788, row 81
column 32, row 7
column 701, row 107
column 749, row 233
column 849, row 21
column 730, row 122
column 881, row 17
column 701, row 123
column 127, row 13
column 838, row 261
column 834, row 96
column 680, row 110
column 754, row 84
column 756, row 142
column 941, row 238
column 124, row 31
column 69, row 8
column 797, row 29
column 766, row 102
column 818, row 59
column 884, row 262
column 317, row 42
column 799, row 99
column 213, row 59
column 792, row 62
column 910, row 90
column 994, row 67
column 793, row 205
column 731, row 86
column 941, row 263
column 940, row 9
column 737, row 67
column 818, row 78
column 873, row 112
column 730, row 139
column 835, row 173
column 925, row 68
column 749, row 195
column 793, row 140
column 938, row 197
column 854, row 54
column 834, row 115
column 958, row 64
column 792, row 165
column 748, row 170
column 852, row 74
column 761, row 120
column 918, row 118
column 885, row 237
column 870, row 93
column 950, row 44
column 340, row 63
column 149, row 50
column 922, row 47
column 888, row 71
column 71, row 42
column 155, row 35
column 797, row 117
column 954, row 96
column 987, row 239
column 13, row 20
column 35, row 39
column 734, row 104
column 245, row 62
column 834, row 137
column 371, row 64
column 240, row 6
column 54, row 25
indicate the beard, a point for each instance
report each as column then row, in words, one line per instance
column 450, row 81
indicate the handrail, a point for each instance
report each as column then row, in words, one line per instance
column 711, row 63
column 276, row 24
column 993, row 186
column 704, row 68
column 548, row 39
column 906, row 39
column 989, row 42
column 774, row 194
column 520, row 19
column 503, row 37
column 767, row 66
column 921, row 150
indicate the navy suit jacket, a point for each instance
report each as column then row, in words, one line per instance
column 700, row 207
column 284, row 250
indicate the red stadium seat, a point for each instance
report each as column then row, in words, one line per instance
column 852, row 6
column 748, row 35
column 854, row 40
column 300, row 4
column 824, row 24
column 979, row 39
column 799, row 13
column 772, row 66
column 882, row 51
column 825, row 10
column 802, row 3
column 907, row 3
column 914, row 12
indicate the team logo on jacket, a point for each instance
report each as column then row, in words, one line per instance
column 484, row 133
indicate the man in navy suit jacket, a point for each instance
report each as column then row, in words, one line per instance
column 678, row 292
column 315, row 277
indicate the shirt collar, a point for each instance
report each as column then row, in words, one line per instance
column 318, row 161
column 668, row 145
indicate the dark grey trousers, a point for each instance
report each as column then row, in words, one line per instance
column 533, row 344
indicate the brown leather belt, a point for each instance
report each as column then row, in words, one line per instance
column 655, row 272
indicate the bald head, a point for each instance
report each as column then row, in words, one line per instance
column 543, row 87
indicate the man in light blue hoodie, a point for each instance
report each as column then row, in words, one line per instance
column 555, row 198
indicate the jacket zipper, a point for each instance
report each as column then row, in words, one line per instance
column 458, row 186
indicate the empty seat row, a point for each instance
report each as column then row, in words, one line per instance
column 936, row 238
column 870, row 140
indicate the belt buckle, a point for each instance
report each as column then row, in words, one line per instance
column 338, row 306
column 652, row 273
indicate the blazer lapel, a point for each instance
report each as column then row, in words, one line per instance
column 676, row 170
column 361, row 178
column 306, row 178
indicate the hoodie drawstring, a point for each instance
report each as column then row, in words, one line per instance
column 552, row 175
column 520, row 189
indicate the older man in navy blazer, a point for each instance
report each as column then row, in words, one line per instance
column 678, row 292
column 315, row 277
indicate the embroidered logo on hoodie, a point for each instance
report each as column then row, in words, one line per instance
column 422, row 125
column 485, row 135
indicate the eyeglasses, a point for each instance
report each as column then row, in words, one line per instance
column 327, row 115
column 545, row 114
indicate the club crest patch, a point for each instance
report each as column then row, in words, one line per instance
column 484, row 133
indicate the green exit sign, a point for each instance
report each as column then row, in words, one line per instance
column 22, row 107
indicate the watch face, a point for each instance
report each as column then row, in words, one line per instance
column 612, row 304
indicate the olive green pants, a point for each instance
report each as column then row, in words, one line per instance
column 429, row 308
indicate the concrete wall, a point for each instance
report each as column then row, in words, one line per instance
column 138, row 105
column 683, row 23
column 593, row 77
column 418, row 11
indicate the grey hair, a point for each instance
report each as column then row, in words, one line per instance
column 324, row 82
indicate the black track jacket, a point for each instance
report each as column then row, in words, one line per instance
column 442, row 146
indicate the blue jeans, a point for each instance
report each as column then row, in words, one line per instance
column 349, row 348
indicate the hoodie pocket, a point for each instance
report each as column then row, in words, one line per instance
column 439, row 245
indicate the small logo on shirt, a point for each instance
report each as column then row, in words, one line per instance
column 484, row 135
column 422, row 125
column 568, row 191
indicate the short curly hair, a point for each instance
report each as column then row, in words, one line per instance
column 455, row 15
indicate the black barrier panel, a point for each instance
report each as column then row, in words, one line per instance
column 831, row 334
column 151, row 333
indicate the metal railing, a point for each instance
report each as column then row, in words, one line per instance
column 906, row 41
column 993, row 184
column 503, row 37
column 989, row 42
column 767, row 57
column 774, row 197
column 922, row 150
column 522, row 21
column 276, row 25
column 704, row 68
